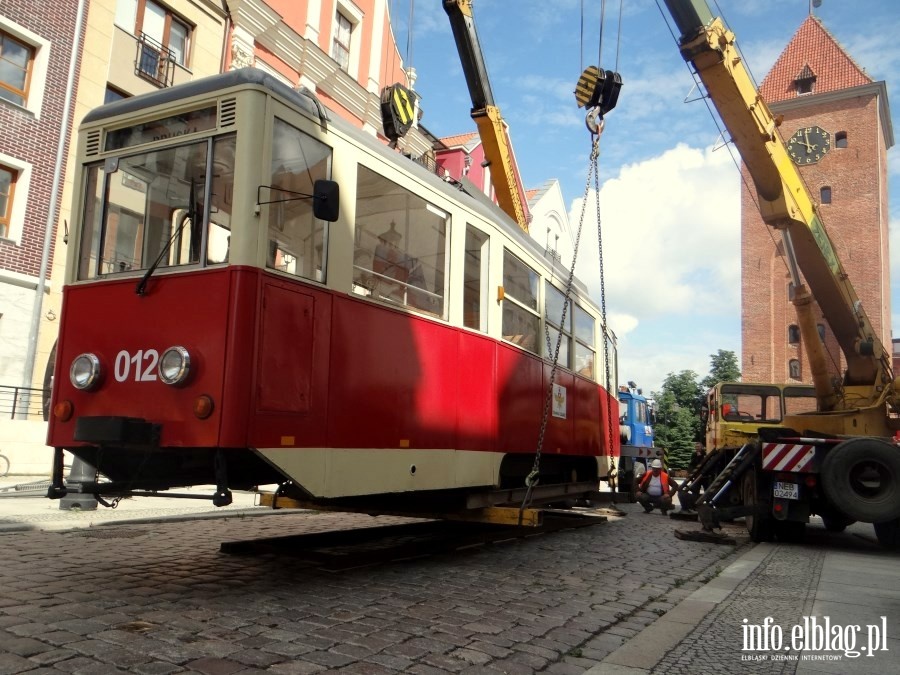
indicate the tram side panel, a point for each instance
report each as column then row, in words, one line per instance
column 292, row 373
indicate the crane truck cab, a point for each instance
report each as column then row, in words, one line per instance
column 734, row 412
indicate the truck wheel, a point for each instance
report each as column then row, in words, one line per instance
column 888, row 534
column 837, row 523
column 861, row 478
column 759, row 525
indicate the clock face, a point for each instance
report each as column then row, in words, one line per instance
column 808, row 145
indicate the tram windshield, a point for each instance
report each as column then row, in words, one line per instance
column 172, row 205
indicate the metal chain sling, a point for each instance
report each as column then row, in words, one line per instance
column 593, row 172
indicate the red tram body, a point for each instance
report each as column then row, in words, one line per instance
column 254, row 366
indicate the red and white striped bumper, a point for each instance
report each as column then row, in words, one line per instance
column 787, row 456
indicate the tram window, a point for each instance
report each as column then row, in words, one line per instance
column 611, row 358
column 521, row 322
column 475, row 279
column 520, row 281
column 584, row 343
column 520, row 326
column 91, row 223
column 297, row 240
column 221, row 194
column 554, row 302
column 155, row 204
column 400, row 245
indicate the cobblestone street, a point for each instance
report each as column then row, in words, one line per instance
column 160, row 598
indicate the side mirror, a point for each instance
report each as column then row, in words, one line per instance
column 326, row 200
column 704, row 413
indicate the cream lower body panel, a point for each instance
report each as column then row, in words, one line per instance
column 341, row 472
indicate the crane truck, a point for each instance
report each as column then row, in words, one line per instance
column 839, row 461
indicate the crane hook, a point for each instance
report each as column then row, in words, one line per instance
column 594, row 125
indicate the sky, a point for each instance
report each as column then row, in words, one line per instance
column 669, row 192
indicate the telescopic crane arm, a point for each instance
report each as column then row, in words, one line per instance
column 785, row 204
column 491, row 128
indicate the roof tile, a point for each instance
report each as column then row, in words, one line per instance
column 814, row 49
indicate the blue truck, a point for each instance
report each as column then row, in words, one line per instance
column 636, row 418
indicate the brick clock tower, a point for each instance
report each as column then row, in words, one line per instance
column 829, row 102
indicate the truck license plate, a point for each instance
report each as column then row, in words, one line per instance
column 786, row 491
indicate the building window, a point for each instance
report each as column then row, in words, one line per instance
column 164, row 29
column 793, row 334
column 794, row 367
column 840, row 139
column 113, row 94
column 805, row 81
column 340, row 48
column 825, row 194
column 8, row 179
column 821, row 328
column 16, row 60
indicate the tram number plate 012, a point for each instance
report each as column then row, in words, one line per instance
column 786, row 491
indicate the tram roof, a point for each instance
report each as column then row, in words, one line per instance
column 306, row 100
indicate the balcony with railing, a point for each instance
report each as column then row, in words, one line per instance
column 151, row 67
column 154, row 61
column 21, row 403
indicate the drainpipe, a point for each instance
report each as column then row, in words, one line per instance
column 226, row 39
column 49, row 230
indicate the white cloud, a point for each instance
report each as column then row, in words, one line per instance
column 671, row 235
column 671, row 241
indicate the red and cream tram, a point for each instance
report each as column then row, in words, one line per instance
column 257, row 294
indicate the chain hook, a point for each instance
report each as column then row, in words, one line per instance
column 595, row 123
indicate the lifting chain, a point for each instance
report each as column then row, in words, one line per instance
column 596, row 128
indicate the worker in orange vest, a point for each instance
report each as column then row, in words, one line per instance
column 656, row 488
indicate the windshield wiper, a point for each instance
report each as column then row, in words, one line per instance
column 191, row 215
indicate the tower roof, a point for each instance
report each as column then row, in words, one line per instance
column 813, row 52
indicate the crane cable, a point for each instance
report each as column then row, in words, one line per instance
column 593, row 173
column 595, row 124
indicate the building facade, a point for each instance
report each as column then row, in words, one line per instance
column 342, row 50
column 37, row 53
column 828, row 101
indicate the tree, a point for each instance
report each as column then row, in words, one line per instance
column 678, row 405
column 723, row 367
column 678, row 416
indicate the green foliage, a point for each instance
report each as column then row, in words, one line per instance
column 723, row 367
column 678, row 424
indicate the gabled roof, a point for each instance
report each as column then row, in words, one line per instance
column 812, row 50
column 461, row 140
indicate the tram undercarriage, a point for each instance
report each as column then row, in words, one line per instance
column 127, row 471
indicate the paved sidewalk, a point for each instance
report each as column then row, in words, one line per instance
column 704, row 619
column 842, row 579
column 27, row 508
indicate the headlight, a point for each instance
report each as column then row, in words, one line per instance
column 85, row 372
column 175, row 365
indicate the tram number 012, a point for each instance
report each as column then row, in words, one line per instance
column 140, row 366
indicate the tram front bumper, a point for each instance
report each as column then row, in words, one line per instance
column 110, row 430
